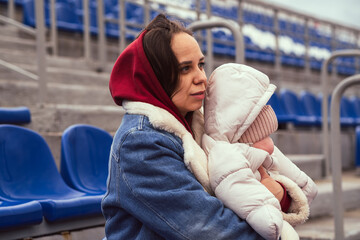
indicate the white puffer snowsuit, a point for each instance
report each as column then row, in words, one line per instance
column 234, row 97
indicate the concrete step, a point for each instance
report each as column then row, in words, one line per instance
column 311, row 164
column 323, row 203
column 17, row 56
column 15, row 43
column 51, row 120
column 322, row 228
column 60, row 74
column 26, row 93
column 320, row 225
column 306, row 145
column 13, row 31
column 89, row 234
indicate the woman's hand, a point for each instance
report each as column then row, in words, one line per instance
column 273, row 186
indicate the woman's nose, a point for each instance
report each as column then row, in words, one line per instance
column 201, row 77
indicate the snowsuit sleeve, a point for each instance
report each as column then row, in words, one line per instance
column 231, row 172
column 287, row 168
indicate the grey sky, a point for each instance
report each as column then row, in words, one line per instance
column 345, row 12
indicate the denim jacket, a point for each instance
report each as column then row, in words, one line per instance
column 153, row 193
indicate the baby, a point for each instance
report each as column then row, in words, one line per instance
column 247, row 172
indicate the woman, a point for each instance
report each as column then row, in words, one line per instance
column 158, row 186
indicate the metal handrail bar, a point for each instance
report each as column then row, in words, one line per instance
column 53, row 28
column 86, row 33
column 209, row 42
column 297, row 14
column 41, row 50
column 325, row 127
column 336, row 162
column 18, row 25
column 278, row 65
column 102, row 54
column 121, row 24
column 19, row 70
column 233, row 26
column 11, row 9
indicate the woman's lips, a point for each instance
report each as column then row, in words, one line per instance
column 199, row 95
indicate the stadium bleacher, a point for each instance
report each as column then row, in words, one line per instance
column 33, row 176
column 84, row 158
column 259, row 44
column 15, row 214
column 15, row 115
column 81, row 141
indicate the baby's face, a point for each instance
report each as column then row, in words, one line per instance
column 265, row 144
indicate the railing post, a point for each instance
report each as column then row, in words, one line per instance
column 86, row 27
column 324, row 105
column 101, row 36
column 336, row 162
column 11, row 9
column 234, row 28
column 198, row 9
column 240, row 13
column 307, row 48
column 209, row 42
column 54, row 46
column 146, row 12
column 40, row 50
column 122, row 25
column 333, row 48
column 277, row 47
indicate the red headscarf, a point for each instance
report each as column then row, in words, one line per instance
column 132, row 78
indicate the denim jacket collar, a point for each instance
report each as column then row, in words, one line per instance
column 194, row 157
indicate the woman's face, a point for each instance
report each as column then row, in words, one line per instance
column 190, row 92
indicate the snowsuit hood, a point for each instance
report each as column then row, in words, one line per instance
column 228, row 114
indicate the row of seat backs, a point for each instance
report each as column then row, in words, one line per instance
column 69, row 14
column 305, row 109
column 32, row 188
column 15, row 115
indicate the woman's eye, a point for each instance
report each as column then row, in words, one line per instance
column 185, row 69
column 201, row 65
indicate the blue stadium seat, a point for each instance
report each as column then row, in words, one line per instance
column 17, row 2
column 28, row 172
column 281, row 115
column 311, row 105
column 19, row 214
column 347, row 113
column 66, row 16
column 29, row 13
column 85, row 153
column 355, row 102
column 346, row 120
column 15, row 115
column 293, row 108
column 357, row 147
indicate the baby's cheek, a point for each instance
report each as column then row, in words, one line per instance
column 265, row 144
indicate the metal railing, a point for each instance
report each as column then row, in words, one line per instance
column 201, row 12
column 41, row 45
column 242, row 5
column 234, row 28
column 325, row 92
column 336, row 162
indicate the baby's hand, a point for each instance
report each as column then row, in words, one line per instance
column 273, row 186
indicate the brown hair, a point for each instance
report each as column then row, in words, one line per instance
column 157, row 47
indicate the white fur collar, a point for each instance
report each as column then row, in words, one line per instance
column 299, row 210
column 194, row 157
